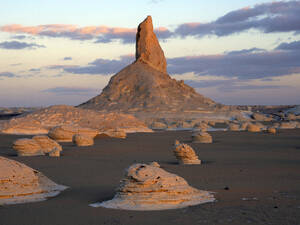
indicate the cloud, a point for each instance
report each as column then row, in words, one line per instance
column 230, row 85
column 101, row 34
column 101, row 66
column 279, row 16
column 68, row 58
column 71, row 90
column 292, row 46
column 8, row 74
column 19, row 45
column 244, row 64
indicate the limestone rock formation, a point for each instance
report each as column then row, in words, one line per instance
column 27, row 147
column 144, row 86
column 116, row 133
column 234, row 127
column 202, row 137
column 271, row 130
column 47, row 144
column 148, row 49
column 158, row 126
column 288, row 125
column 185, row 154
column 20, row 184
column 38, row 145
column 66, row 133
column 253, row 128
column 83, row 140
column 147, row 187
column 41, row 121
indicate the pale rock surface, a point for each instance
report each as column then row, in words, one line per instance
column 234, row 127
column 288, row 125
column 253, row 128
column 47, row 144
column 146, row 187
column 158, row 126
column 185, row 154
column 66, row 133
column 27, row 147
column 83, row 140
column 41, row 121
column 271, row 130
column 144, row 86
column 148, row 49
column 202, row 137
column 54, row 153
column 116, row 133
column 38, row 145
column 21, row 184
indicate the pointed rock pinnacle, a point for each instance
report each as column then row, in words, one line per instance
column 148, row 48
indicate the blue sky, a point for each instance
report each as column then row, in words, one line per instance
column 64, row 52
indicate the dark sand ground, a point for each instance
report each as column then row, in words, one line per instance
column 252, row 165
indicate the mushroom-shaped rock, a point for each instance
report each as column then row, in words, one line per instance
column 147, row 187
column 47, row 144
column 185, row 154
column 253, row 128
column 20, row 184
column 202, row 137
column 27, row 147
column 83, row 140
column 271, row 130
column 66, row 133
column 234, row 127
column 148, row 48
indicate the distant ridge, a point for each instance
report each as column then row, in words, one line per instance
column 145, row 86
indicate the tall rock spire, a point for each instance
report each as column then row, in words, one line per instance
column 148, row 48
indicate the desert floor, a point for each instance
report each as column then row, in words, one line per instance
column 256, row 177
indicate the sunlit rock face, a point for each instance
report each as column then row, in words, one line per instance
column 38, row 145
column 83, row 140
column 145, row 86
column 185, row 154
column 202, row 137
column 148, row 187
column 19, row 184
column 43, row 120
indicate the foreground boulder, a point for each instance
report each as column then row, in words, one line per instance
column 43, row 120
column 202, row 137
column 38, row 145
column 20, row 184
column 147, row 187
column 185, row 154
column 83, row 140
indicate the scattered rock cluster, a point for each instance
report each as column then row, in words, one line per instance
column 185, row 154
column 38, row 145
column 148, row 187
column 20, row 184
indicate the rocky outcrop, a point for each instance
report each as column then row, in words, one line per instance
column 202, row 137
column 271, row 130
column 20, row 184
column 185, row 154
column 43, row 120
column 148, row 49
column 38, row 145
column 66, row 133
column 253, row 128
column 145, row 87
column 83, row 140
column 147, row 187
column 233, row 127
column 27, row 147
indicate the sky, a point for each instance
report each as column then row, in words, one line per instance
column 64, row 52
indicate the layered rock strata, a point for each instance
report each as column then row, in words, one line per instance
column 185, row 154
column 147, row 187
column 21, row 184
